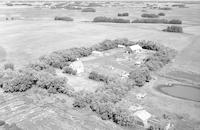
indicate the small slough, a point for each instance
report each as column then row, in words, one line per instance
column 186, row 92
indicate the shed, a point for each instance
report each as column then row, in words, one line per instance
column 142, row 117
column 78, row 66
column 136, row 48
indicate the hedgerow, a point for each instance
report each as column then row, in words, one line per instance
column 61, row 58
column 110, row 20
column 159, row 59
column 155, row 20
column 103, row 46
column 103, row 103
column 165, row 8
column 88, row 10
column 150, row 20
column 102, row 19
column 41, row 66
column 175, row 21
column 63, row 18
column 22, row 80
column 149, row 15
column 123, row 14
column 176, row 29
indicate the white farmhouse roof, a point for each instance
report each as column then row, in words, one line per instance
column 143, row 115
column 78, row 66
column 136, row 47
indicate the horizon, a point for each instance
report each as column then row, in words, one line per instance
column 102, row 0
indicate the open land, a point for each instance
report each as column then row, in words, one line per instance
column 36, row 33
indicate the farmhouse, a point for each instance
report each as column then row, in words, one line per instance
column 78, row 66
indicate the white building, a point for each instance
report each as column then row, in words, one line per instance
column 78, row 66
column 97, row 53
column 121, row 46
column 142, row 116
column 136, row 48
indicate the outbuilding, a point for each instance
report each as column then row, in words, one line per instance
column 121, row 46
column 78, row 66
column 142, row 117
column 97, row 53
column 136, row 48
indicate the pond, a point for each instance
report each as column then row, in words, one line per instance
column 187, row 92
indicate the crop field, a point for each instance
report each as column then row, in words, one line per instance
column 93, row 65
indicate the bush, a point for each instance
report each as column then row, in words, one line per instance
column 9, row 66
column 150, row 20
column 54, row 60
column 110, row 20
column 51, row 83
column 61, row 58
column 88, row 10
column 177, row 29
column 175, row 21
column 105, row 110
column 82, row 99
column 149, row 15
column 140, row 75
column 159, row 59
column 19, row 82
column 150, row 45
column 123, row 41
column 123, row 14
column 161, row 14
column 105, row 45
column 40, row 66
column 22, row 80
column 123, row 117
column 98, row 77
column 63, row 18
column 113, row 92
column 69, row 70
